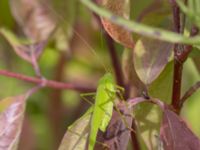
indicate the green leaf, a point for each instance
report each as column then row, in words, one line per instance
column 147, row 117
column 162, row 84
column 76, row 136
column 142, row 29
column 190, row 75
column 191, row 110
column 11, row 119
column 150, row 58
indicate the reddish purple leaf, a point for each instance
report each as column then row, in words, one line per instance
column 175, row 134
column 136, row 101
column 11, row 118
column 27, row 52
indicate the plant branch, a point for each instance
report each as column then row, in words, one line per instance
column 48, row 83
column 178, row 64
column 181, row 53
column 189, row 92
column 134, row 137
column 177, row 78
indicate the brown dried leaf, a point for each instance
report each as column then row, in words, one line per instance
column 34, row 17
column 118, row 33
column 11, row 118
column 175, row 134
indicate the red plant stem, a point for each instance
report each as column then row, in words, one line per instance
column 178, row 65
column 181, row 53
column 134, row 137
column 48, row 83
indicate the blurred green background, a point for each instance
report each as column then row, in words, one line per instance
column 83, row 60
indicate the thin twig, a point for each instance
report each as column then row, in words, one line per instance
column 189, row 92
column 48, row 83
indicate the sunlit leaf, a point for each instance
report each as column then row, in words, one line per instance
column 162, row 84
column 175, row 134
column 34, row 17
column 148, row 122
column 191, row 111
column 150, row 58
column 197, row 63
column 117, row 32
column 11, row 118
column 190, row 74
column 76, row 136
column 23, row 48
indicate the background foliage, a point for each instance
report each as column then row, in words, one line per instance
column 77, row 52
